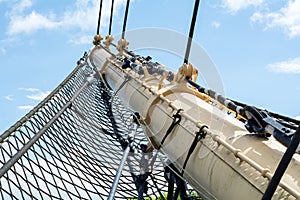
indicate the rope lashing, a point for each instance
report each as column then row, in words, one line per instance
column 176, row 121
column 201, row 134
column 108, row 41
column 97, row 40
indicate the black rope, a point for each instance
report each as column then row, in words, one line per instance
column 125, row 19
column 220, row 98
column 285, row 161
column 176, row 120
column 99, row 17
column 111, row 16
column 192, row 27
column 106, row 98
column 201, row 134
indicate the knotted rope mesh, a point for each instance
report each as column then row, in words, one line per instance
column 70, row 146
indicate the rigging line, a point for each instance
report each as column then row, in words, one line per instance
column 111, row 16
column 125, row 19
column 191, row 34
column 282, row 166
column 99, row 17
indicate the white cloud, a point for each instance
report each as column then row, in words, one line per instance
column 39, row 96
column 291, row 66
column 82, row 40
column 257, row 17
column 29, row 89
column 35, row 94
column 287, row 18
column 83, row 16
column 215, row 24
column 9, row 97
column 28, row 107
column 235, row 5
column 297, row 117
column 22, row 5
column 30, row 23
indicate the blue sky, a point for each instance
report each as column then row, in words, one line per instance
column 253, row 43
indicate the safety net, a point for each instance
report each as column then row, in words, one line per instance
column 70, row 146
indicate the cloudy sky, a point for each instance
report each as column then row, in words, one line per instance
column 253, row 43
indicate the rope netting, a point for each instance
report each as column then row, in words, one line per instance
column 70, row 145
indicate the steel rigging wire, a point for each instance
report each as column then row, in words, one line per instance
column 111, row 16
column 125, row 19
column 99, row 17
column 191, row 34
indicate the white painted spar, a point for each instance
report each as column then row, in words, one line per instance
column 230, row 163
